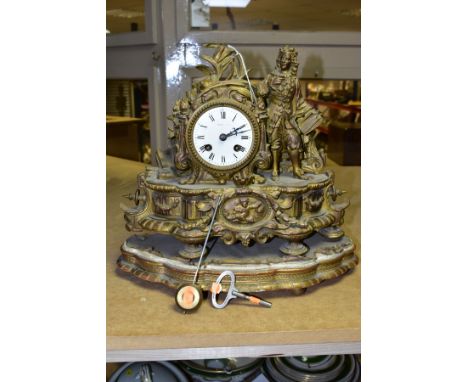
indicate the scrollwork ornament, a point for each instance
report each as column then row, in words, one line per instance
column 278, row 189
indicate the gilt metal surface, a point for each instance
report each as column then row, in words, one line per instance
column 279, row 193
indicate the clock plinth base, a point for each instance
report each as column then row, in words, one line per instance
column 155, row 258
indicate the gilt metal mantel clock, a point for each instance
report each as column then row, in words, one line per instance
column 253, row 148
column 223, row 137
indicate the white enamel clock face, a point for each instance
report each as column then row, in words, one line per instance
column 223, row 137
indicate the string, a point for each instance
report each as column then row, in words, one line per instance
column 218, row 201
column 252, row 94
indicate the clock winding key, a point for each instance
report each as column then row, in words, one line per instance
column 232, row 292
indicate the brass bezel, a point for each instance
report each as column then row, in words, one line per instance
column 223, row 171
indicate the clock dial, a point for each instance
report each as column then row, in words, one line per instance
column 223, row 136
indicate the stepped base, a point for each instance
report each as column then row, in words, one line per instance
column 155, row 258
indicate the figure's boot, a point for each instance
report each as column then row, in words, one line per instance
column 294, row 155
column 276, row 164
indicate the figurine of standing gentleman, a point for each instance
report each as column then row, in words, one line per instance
column 289, row 116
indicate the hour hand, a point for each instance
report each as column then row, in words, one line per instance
column 243, row 131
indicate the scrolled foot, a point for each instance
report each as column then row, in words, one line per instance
column 332, row 232
column 191, row 251
column 294, row 248
column 299, row 291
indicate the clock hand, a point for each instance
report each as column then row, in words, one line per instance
column 234, row 131
column 223, row 137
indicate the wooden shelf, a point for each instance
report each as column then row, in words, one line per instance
column 143, row 323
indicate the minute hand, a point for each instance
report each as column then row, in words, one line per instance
column 235, row 132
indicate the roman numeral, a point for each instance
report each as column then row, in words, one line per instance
column 211, row 156
column 223, row 159
column 234, row 117
column 200, row 137
column 212, row 118
column 202, row 148
column 234, row 155
column 223, row 114
column 245, row 137
column 203, row 126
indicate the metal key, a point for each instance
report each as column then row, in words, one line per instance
column 232, row 292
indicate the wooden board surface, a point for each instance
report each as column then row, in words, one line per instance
column 143, row 323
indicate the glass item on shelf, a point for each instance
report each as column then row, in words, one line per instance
column 222, row 369
column 328, row 368
column 148, row 372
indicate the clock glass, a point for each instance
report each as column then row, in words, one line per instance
column 223, row 137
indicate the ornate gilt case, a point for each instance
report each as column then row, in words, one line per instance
column 279, row 221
